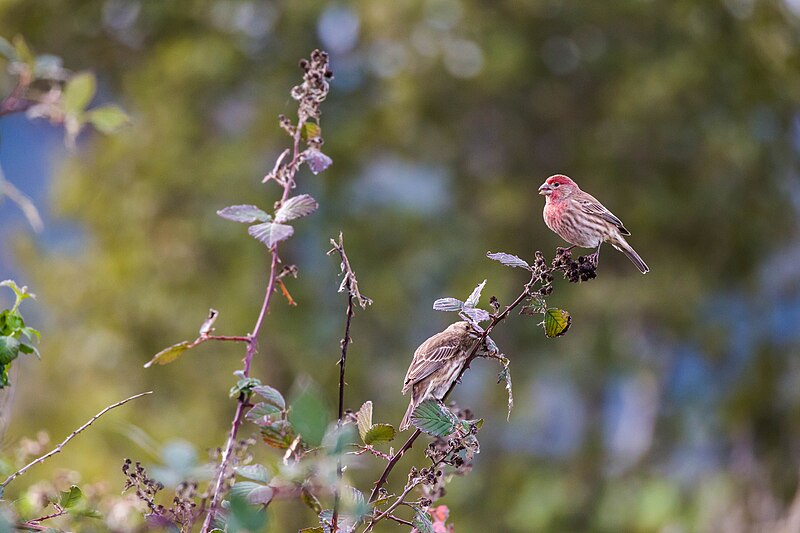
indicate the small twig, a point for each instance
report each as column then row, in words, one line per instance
column 72, row 435
column 496, row 319
column 16, row 102
column 408, row 488
column 399, row 520
column 351, row 285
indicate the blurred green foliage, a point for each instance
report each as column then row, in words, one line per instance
column 672, row 403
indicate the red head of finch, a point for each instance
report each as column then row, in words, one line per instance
column 436, row 364
column 581, row 220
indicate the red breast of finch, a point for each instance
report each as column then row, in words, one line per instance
column 581, row 220
column 436, row 364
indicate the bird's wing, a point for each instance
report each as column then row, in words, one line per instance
column 590, row 205
column 428, row 358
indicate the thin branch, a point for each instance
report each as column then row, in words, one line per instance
column 16, row 102
column 287, row 184
column 72, row 435
column 496, row 319
column 350, row 284
column 408, row 488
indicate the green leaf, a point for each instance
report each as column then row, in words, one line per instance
column 364, row 418
column 309, row 415
column 422, row 521
column 244, row 385
column 243, row 516
column 253, row 493
column 270, row 233
column 296, row 207
column 25, row 347
column 24, row 53
column 255, row 472
column 7, row 50
column 263, row 414
column 280, row 434
column 271, row 395
column 168, row 355
column 310, row 500
column 315, row 529
column 433, row 418
column 9, row 349
column 244, row 213
column 107, row 118
column 310, row 130
column 78, row 92
column 30, row 333
column 508, row 260
column 71, row 498
column 556, row 322
column 379, row 433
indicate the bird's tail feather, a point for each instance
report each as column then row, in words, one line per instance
column 406, row 423
column 622, row 245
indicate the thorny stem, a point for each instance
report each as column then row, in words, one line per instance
column 342, row 364
column 496, row 319
column 252, row 342
column 71, row 436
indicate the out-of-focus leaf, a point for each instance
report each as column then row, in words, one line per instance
column 107, row 118
column 379, row 433
column 448, row 304
column 49, row 67
column 315, row 529
column 475, row 297
column 243, row 516
column 7, row 50
column 271, row 395
column 244, row 386
column 261, row 495
column 23, row 51
column 78, row 92
column 279, row 434
column 263, row 414
column 344, row 523
column 422, row 521
column 309, row 416
column 296, row 207
column 310, row 130
column 310, row 500
column 9, row 349
column 244, row 213
column 364, row 418
column 556, row 322
column 509, row 260
column 71, row 498
column 337, row 439
column 168, row 355
column 433, row 418
column 256, row 472
column 270, row 233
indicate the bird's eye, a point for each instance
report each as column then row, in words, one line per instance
column 556, row 184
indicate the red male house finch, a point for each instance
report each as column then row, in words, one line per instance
column 578, row 218
column 436, row 364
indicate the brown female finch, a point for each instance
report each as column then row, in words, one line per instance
column 436, row 364
column 578, row 218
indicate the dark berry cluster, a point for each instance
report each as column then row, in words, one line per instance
column 314, row 89
column 584, row 269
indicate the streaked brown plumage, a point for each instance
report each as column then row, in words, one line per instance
column 581, row 220
column 436, row 364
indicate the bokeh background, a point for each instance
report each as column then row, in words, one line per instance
column 672, row 405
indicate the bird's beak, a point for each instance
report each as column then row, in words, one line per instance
column 545, row 189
